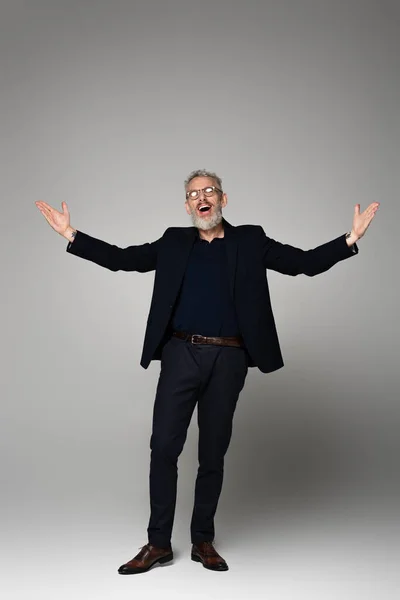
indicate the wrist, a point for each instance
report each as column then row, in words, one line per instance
column 69, row 234
column 351, row 238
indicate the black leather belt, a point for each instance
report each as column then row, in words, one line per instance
column 235, row 342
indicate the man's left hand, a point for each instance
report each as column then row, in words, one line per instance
column 361, row 221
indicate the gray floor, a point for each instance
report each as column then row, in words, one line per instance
column 346, row 550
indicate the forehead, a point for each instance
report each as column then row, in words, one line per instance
column 199, row 183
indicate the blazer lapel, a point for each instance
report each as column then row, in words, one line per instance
column 231, row 251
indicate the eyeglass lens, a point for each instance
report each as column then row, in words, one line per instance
column 208, row 191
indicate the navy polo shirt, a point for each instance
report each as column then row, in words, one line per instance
column 205, row 305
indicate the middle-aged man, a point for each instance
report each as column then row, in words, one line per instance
column 210, row 319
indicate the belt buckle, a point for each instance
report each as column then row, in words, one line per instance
column 192, row 339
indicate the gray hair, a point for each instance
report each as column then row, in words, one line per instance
column 203, row 173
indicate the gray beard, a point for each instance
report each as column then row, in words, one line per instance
column 206, row 224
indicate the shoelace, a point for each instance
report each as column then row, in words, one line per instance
column 144, row 549
column 209, row 549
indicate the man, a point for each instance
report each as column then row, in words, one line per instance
column 210, row 319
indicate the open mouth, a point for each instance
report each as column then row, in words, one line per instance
column 204, row 209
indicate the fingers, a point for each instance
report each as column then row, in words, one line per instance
column 47, row 212
column 40, row 204
column 370, row 214
column 370, row 211
column 372, row 208
column 44, row 208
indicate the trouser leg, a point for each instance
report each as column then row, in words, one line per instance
column 216, row 406
column 174, row 404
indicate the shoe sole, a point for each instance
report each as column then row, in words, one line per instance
column 161, row 561
column 198, row 559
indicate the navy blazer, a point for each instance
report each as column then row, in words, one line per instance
column 250, row 253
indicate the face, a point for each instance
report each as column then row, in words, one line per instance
column 205, row 210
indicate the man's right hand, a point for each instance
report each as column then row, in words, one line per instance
column 59, row 221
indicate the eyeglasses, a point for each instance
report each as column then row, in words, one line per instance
column 207, row 191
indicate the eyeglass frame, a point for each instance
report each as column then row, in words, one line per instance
column 214, row 188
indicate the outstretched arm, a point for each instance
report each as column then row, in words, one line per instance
column 140, row 258
column 289, row 260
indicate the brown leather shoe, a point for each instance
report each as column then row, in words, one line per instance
column 146, row 558
column 205, row 553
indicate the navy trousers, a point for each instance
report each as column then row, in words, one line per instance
column 211, row 377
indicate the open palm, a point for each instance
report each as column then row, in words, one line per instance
column 362, row 220
column 59, row 221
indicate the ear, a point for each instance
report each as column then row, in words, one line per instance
column 224, row 200
column 187, row 208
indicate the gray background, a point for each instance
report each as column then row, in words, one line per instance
column 108, row 106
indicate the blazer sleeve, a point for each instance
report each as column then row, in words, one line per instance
column 290, row 260
column 142, row 258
